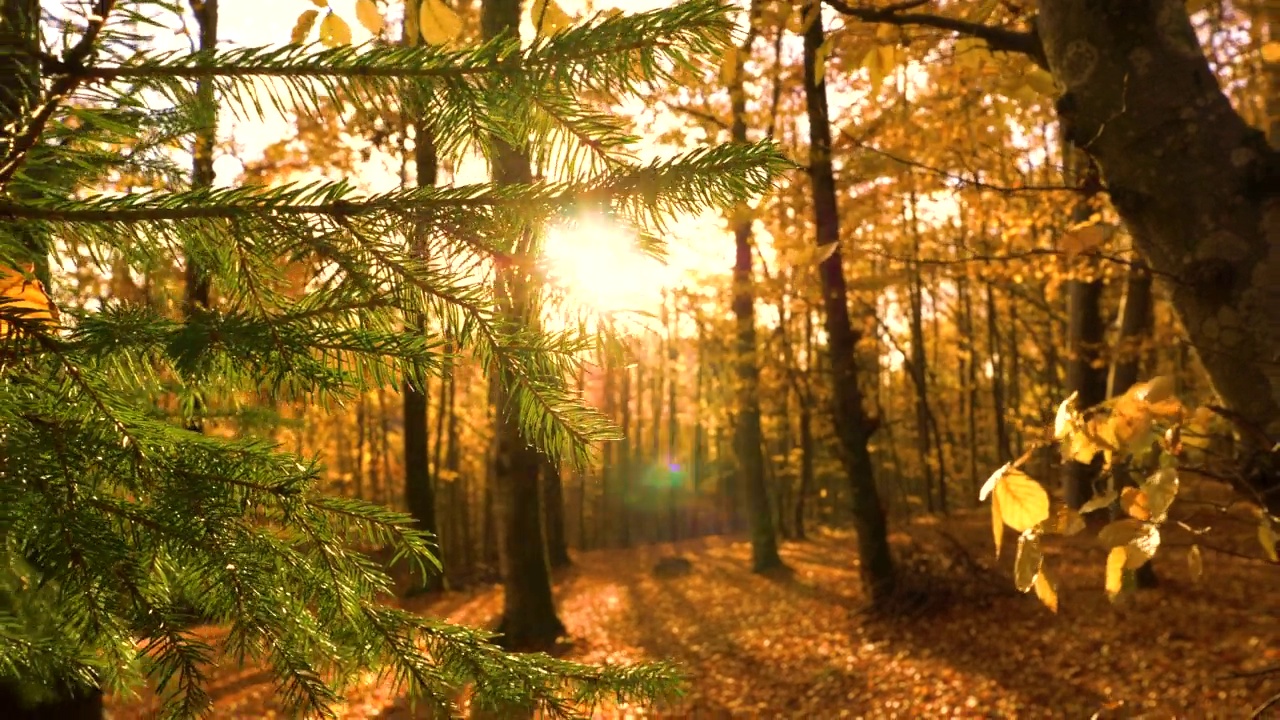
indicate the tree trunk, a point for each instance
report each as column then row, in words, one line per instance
column 748, row 437
column 1086, row 369
column 553, row 515
column 626, row 449
column 1196, row 186
column 850, row 416
column 529, row 617
column 673, row 471
column 1136, row 325
column 419, row 495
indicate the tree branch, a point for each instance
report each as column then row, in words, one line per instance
column 998, row 38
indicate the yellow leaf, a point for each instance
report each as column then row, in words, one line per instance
column 820, row 61
column 1160, row 489
column 1157, row 389
column 548, row 17
column 997, row 523
column 1267, row 538
column 321, row 3
column 302, row 28
column 1115, row 571
column 1271, row 52
column 1064, row 421
column 1086, row 237
column 368, row 15
column 1046, row 590
column 1142, row 548
column 1120, row 532
column 438, row 23
column 729, row 66
column 24, row 298
column 1023, row 503
column 1027, row 563
column 1097, row 502
column 1134, row 502
column 983, row 11
column 1081, row 448
column 1067, row 521
column 334, row 31
column 1041, row 81
column 1195, row 563
column 990, row 484
column 825, row 252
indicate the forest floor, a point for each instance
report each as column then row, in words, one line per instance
column 798, row 644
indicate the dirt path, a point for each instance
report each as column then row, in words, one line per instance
column 798, row 646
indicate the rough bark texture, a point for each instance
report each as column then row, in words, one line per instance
column 850, row 416
column 553, row 515
column 1195, row 185
column 529, row 617
column 748, row 437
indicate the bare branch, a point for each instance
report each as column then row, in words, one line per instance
column 1000, row 39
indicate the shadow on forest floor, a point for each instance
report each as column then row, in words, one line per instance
column 798, row 644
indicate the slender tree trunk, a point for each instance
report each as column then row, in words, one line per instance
column 1015, row 370
column 529, row 617
column 419, row 495
column 997, row 376
column 699, row 436
column 1136, row 325
column 1086, row 370
column 626, row 449
column 851, row 422
column 748, row 437
column 608, row 467
column 674, row 472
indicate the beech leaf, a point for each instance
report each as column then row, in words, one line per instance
column 1160, row 490
column 1271, row 52
column 997, row 523
column 302, row 28
column 334, row 31
column 368, row 15
column 1267, row 538
column 1115, row 571
column 1120, row 532
column 1027, row 563
column 548, row 17
column 1098, row 502
column 825, row 252
column 1195, row 563
column 1023, row 503
column 24, row 297
column 1046, row 589
column 1135, row 503
column 1066, row 521
column 438, row 23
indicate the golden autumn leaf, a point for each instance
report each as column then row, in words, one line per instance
column 302, row 28
column 1098, row 502
column 1064, row 420
column 369, row 16
column 1142, row 548
column 334, row 31
column 438, row 23
column 1267, row 538
column 1041, row 82
column 820, row 61
column 1160, row 490
column 1135, row 503
column 548, row 17
column 320, row 3
column 1026, row 565
column 997, row 523
column 1115, row 571
column 1046, row 589
column 1195, row 563
column 25, row 298
column 1086, row 237
column 1271, row 52
column 1066, row 521
column 1023, row 503
column 824, row 252
column 1120, row 532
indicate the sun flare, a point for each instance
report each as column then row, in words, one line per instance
column 599, row 267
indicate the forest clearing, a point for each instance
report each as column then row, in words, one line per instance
column 639, row 358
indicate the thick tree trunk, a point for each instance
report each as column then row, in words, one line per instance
column 553, row 515
column 1196, row 186
column 850, row 416
column 529, row 617
column 748, row 437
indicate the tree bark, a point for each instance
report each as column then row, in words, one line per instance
column 851, row 424
column 1196, row 186
column 553, row 515
column 529, row 617
column 748, row 436
column 419, row 495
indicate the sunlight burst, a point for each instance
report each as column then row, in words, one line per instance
column 598, row 267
